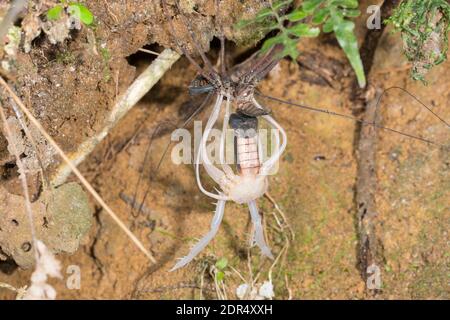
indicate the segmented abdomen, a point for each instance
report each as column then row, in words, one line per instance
column 247, row 155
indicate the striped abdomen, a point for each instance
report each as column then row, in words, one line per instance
column 246, row 143
column 247, row 155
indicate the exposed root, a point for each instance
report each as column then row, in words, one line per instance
column 370, row 247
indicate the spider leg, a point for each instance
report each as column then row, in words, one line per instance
column 196, row 44
column 259, row 232
column 202, row 156
column 178, row 43
column 268, row 165
column 225, row 167
column 215, row 223
column 223, row 67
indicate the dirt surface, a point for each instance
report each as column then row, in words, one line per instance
column 71, row 86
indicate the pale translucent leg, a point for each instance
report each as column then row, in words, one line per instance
column 202, row 156
column 215, row 224
column 222, row 136
column 225, row 167
column 259, row 232
column 267, row 166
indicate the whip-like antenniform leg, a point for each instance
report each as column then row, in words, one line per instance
column 268, row 165
column 259, row 232
column 218, row 215
column 202, row 156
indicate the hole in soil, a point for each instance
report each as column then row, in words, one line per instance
column 10, row 171
column 18, row 22
column 8, row 266
column 141, row 59
column 45, row 223
column 15, row 222
column 320, row 158
column 164, row 95
column 3, row 144
column 26, row 246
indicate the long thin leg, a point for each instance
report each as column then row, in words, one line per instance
column 223, row 68
column 267, row 166
column 215, row 224
column 184, row 51
column 141, row 175
column 259, row 232
column 261, row 66
column 194, row 40
column 166, row 149
column 225, row 167
column 202, row 156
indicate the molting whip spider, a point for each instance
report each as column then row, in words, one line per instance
column 250, row 182
column 235, row 87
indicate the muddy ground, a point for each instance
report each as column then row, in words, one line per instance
column 71, row 87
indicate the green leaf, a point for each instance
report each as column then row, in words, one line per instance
column 271, row 26
column 244, row 23
column 264, row 13
column 290, row 49
column 321, row 15
column 303, row 30
column 352, row 13
column 222, row 263
column 328, row 26
column 82, row 12
column 269, row 43
column 280, row 4
column 311, row 5
column 337, row 16
column 54, row 13
column 350, row 4
column 297, row 15
column 348, row 42
column 219, row 276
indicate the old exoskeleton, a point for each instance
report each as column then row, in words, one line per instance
column 236, row 86
column 250, row 182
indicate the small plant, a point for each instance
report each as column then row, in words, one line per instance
column 220, row 265
column 307, row 20
column 74, row 9
column 424, row 26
